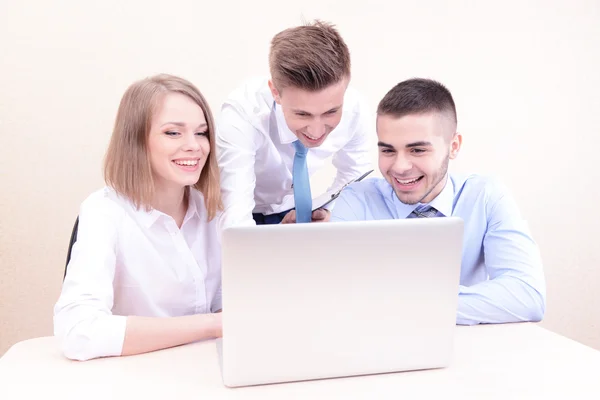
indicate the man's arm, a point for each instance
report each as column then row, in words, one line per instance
column 515, row 291
column 349, row 207
column 236, row 152
column 354, row 159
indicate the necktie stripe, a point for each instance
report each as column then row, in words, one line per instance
column 423, row 212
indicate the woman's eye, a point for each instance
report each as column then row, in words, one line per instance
column 205, row 133
column 171, row 133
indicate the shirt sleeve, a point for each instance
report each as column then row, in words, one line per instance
column 354, row 159
column 348, row 207
column 82, row 315
column 217, row 303
column 236, row 153
column 515, row 290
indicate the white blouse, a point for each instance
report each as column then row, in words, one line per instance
column 129, row 262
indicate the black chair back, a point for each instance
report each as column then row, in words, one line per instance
column 71, row 243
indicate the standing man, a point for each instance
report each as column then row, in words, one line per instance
column 275, row 133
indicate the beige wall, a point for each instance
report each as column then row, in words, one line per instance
column 524, row 75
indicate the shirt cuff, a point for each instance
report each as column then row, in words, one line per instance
column 114, row 332
column 329, row 206
column 102, row 337
column 217, row 303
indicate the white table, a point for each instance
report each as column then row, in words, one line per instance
column 513, row 361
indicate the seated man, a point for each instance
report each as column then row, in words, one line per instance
column 501, row 277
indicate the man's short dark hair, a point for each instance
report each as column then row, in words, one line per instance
column 417, row 96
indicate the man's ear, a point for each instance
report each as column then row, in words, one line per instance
column 455, row 145
column 274, row 92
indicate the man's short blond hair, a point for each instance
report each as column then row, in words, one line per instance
column 310, row 57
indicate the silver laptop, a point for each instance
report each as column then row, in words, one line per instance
column 338, row 299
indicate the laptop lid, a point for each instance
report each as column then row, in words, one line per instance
column 323, row 300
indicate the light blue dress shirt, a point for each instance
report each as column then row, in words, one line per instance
column 501, row 278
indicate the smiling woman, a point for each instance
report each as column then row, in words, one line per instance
column 178, row 147
column 153, row 107
column 145, row 272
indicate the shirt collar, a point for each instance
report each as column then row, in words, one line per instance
column 442, row 202
column 145, row 216
column 285, row 134
column 193, row 206
column 148, row 218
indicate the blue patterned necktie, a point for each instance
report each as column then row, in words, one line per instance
column 302, row 195
column 423, row 211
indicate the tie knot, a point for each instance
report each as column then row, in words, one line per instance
column 300, row 149
column 424, row 211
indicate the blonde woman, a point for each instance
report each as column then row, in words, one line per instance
column 145, row 271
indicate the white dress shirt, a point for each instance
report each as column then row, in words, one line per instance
column 255, row 151
column 129, row 262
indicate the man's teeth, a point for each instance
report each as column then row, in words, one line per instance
column 407, row 182
column 187, row 162
column 310, row 137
